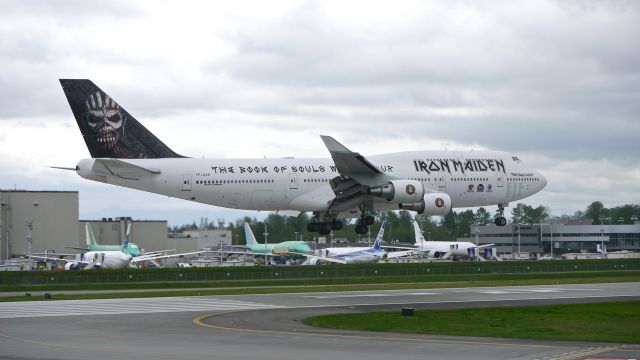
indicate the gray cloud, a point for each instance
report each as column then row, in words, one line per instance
column 550, row 79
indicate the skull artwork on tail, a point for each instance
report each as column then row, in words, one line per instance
column 106, row 120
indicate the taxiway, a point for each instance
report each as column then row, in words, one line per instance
column 269, row 327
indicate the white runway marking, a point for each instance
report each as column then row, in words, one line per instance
column 528, row 291
column 123, row 306
column 336, row 296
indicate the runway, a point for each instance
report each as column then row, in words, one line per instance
column 268, row 326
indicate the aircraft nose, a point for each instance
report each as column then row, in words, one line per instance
column 543, row 180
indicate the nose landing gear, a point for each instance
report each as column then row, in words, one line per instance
column 500, row 220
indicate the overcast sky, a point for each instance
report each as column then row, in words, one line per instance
column 556, row 83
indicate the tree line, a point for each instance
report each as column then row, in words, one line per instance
column 399, row 224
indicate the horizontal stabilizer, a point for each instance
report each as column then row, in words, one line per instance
column 124, row 169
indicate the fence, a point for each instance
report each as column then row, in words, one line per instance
column 311, row 272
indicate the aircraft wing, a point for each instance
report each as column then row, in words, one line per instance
column 401, row 248
column 78, row 248
column 50, row 255
column 349, row 163
column 313, row 259
column 138, row 259
column 123, row 169
column 356, row 175
column 399, row 254
column 254, row 253
column 55, row 259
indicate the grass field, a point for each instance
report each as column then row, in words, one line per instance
column 603, row 322
column 317, row 285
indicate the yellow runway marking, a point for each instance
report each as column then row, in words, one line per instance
column 199, row 321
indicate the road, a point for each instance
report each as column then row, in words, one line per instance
column 267, row 326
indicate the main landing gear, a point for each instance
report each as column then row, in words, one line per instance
column 324, row 227
column 363, row 223
column 500, row 220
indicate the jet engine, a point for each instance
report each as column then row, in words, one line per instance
column 438, row 204
column 71, row 266
column 400, row 191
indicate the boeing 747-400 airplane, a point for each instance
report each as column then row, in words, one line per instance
column 347, row 185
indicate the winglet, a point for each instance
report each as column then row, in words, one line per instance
column 349, row 163
column 333, row 145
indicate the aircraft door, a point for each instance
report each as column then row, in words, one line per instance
column 442, row 181
column 293, row 181
column 186, row 182
column 500, row 181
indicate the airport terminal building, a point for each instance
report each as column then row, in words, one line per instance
column 556, row 238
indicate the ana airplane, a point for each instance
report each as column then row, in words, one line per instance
column 355, row 255
column 126, row 247
column 347, row 185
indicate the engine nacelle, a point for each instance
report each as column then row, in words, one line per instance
column 71, row 266
column 400, row 191
column 438, row 204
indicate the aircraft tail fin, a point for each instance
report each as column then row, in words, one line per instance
column 108, row 129
column 91, row 239
column 127, row 236
column 378, row 243
column 418, row 233
column 248, row 235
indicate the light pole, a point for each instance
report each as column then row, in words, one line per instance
column 518, row 240
column 602, row 241
column 265, row 242
column 477, row 248
column 29, row 240
column 295, row 234
column 550, row 238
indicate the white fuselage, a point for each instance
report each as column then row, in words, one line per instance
column 439, row 248
column 473, row 178
column 105, row 259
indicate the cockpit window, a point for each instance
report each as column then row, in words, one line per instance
column 515, row 158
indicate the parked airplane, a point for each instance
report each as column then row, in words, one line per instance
column 126, row 247
column 125, row 153
column 281, row 248
column 444, row 249
column 107, row 259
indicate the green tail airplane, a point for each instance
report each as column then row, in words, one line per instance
column 126, row 247
column 281, row 248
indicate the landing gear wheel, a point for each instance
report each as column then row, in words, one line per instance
column 324, row 228
column 312, row 227
column 336, row 225
column 500, row 221
column 369, row 220
column 361, row 229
